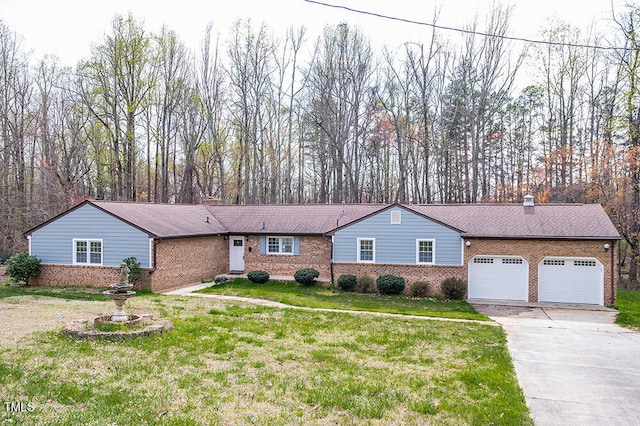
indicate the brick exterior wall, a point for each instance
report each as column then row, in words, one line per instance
column 83, row 276
column 315, row 252
column 434, row 274
column 533, row 251
column 183, row 261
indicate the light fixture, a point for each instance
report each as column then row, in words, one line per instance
column 606, row 247
column 246, row 238
column 468, row 243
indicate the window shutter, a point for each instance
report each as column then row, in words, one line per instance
column 296, row 246
column 263, row 244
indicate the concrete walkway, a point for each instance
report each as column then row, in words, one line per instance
column 576, row 367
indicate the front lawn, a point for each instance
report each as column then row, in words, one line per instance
column 628, row 303
column 228, row 363
column 70, row 293
column 318, row 296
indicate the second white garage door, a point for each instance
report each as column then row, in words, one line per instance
column 570, row 280
column 498, row 278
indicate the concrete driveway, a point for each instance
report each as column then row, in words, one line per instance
column 575, row 366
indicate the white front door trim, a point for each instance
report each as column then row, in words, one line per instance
column 236, row 253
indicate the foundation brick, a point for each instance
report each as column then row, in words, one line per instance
column 434, row 274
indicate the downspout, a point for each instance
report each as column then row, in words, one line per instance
column 331, row 259
column 613, row 283
column 155, row 251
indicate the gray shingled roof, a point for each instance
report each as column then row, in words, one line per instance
column 298, row 219
column 165, row 220
column 565, row 221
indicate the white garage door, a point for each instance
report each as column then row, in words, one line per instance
column 498, row 277
column 570, row 280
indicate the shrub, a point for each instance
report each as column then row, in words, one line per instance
column 390, row 284
column 420, row 289
column 22, row 267
column 306, row 276
column 454, row 288
column 365, row 284
column 258, row 277
column 347, row 282
column 134, row 269
column 221, row 279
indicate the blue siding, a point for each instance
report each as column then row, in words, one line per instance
column 396, row 243
column 53, row 243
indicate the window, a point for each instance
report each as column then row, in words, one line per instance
column 366, row 250
column 280, row 245
column 589, row 263
column 511, row 261
column 483, row 260
column 553, row 262
column 87, row 252
column 396, row 217
column 425, row 251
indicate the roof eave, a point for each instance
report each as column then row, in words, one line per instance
column 541, row 237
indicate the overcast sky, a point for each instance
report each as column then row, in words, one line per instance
column 67, row 28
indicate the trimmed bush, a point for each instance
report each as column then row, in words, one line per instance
column 220, row 279
column 134, row 269
column 347, row 282
column 390, row 284
column 22, row 267
column 258, row 277
column 306, row 276
column 365, row 284
column 454, row 288
column 420, row 289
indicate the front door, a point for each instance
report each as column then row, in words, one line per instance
column 236, row 254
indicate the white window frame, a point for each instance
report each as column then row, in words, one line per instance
column 280, row 245
column 88, row 241
column 359, row 250
column 433, row 251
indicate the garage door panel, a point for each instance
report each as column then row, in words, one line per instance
column 500, row 278
column 571, row 281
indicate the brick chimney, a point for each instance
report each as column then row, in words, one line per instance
column 211, row 201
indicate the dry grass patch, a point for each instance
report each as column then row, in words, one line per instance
column 232, row 364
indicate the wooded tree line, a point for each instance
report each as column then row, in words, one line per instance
column 257, row 117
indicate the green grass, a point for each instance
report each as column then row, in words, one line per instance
column 318, row 296
column 70, row 293
column 228, row 364
column 628, row 303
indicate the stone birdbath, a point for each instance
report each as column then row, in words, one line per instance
column 119, row 292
